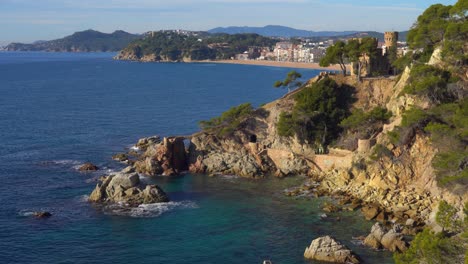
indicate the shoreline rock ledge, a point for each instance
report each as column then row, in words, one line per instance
column 328, row 249
column 126, row 188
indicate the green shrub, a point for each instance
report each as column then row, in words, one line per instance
column 428, row 247
column 451, row 167
column 414, row 117
column 429, row 81
column 359, row 120
column 228, row 121
column 379, row 151
column 286, row 125
column 317, row 112
column 394, row 136
column 447, row 217
column 449, row 134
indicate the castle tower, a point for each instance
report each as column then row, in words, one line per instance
column 391, row 39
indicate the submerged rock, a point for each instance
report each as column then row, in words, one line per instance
column 328, row 249
column 126, row 188
column 42, row 214
column 88, row 166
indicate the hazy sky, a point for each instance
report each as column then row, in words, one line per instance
column 29, row 20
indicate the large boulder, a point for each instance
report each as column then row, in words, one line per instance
column 167, row 157
column 145, row 142
column 126, row 188
column 380, row 237
column 328, row 249
column 393, row 241
column 375, row 236
column 125, row 180
column 370, row 211
column 88, row 166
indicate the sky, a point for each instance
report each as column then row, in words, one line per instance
column 31, row 20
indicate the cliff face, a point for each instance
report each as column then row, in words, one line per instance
column 401, row 185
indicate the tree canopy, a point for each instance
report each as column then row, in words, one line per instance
column 335, row 54
column 317, row 113
column 445, row 27
column 341, row 53
column 291, row 81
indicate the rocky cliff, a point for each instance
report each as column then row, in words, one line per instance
column 397, row 187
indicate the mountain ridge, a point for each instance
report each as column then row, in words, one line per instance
column 288, row 32
column 81, row 41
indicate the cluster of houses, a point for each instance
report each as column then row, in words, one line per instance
column 310, row 52
column 288, row 51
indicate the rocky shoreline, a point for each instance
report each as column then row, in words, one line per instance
column 399, row 192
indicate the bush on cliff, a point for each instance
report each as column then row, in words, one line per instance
column 431, row 82
column 441, row 26
column 228, row 121
column 443, row 247
column 366, row 122
column 447, row 127
column 428, row 247
column 317, row 112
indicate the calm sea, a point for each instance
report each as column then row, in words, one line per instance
column 59, row 110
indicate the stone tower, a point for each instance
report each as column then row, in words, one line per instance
column 391, row 39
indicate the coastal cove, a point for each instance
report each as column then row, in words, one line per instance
column 59, row 110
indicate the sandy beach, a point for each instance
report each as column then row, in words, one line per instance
column 299, row 65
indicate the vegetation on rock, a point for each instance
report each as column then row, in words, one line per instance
column 317, row 112
column 366, row 123
column 291, row 81
column 228, row 121
column 341, row 53
column 442, row 247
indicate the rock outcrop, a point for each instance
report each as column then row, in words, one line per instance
column 88, row 167
column 391, row 188
column 126, row 188
column 42, row 214
column 167, row 157
column 328, row 249
column 380, row 237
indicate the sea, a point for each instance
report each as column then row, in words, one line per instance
column 60, row 110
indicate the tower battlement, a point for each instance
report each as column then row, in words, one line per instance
column 390, row 38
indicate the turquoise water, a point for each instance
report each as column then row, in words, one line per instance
column 59, row 110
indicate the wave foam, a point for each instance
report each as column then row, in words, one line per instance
column 150, row 210
column 25, row 213
column 64, row 162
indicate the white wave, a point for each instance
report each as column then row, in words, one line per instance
column 25, row 213
column 149, row 210
column 135, row 148
column 111, row 171
column 228, row 176
column 83, row 198
column 64, row 162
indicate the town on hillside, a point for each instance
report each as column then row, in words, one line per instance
column 307, row 51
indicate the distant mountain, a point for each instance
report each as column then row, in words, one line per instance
column 84, row 41
column 287, row 32
column 279, row 31
column 380, row 36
